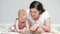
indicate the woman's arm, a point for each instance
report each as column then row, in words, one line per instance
column 46, row 26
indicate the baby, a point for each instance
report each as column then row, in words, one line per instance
column 21, row 24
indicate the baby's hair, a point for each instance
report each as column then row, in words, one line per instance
column 21, row 10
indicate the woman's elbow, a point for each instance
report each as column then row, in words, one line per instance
column 47, row 30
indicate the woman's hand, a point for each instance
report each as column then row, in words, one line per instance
column 34, row 27
column 27, row 30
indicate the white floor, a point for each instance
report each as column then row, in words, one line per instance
column 4, row 28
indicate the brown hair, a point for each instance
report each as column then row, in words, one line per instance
column 37, row 5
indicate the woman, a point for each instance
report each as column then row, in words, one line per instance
column 39, row 17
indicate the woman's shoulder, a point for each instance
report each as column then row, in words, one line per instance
column 45, row 15
column 45, row 12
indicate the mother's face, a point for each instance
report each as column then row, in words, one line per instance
column 34, row 13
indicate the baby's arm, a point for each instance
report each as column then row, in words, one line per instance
column 16, row 25
column 17, row 29
column 27, row 25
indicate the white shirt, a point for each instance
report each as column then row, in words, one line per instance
column 41, row 19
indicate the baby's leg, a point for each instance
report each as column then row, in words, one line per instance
column 13, row 29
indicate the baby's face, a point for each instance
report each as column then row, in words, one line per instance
column 22, row 16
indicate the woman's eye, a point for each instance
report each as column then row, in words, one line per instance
column 30, row 11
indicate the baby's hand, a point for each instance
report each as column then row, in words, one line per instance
column 22, row 30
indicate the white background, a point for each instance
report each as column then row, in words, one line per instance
column 9, row 9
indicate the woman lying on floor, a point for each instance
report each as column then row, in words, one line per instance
column 39, row 17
